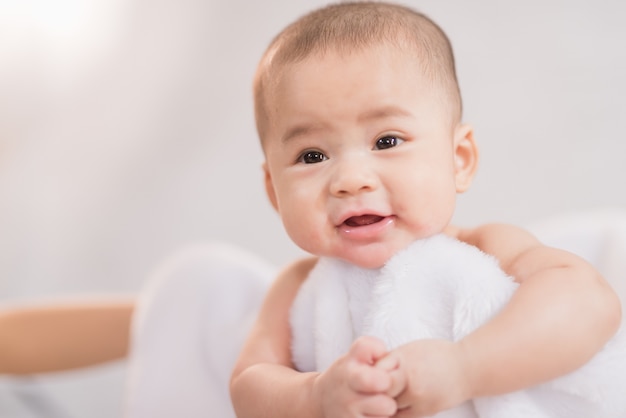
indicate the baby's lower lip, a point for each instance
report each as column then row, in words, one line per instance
column 365, row 227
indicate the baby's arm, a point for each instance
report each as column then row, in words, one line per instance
column 60, row 336
column 562, row 314
column 265, row 384
column 562, row 302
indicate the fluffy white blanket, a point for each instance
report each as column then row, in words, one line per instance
column 441, row 288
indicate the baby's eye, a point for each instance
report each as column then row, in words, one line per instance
column 387, row 142
column 312, row 157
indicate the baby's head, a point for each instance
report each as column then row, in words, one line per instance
column 350, row 27
column 358, row 111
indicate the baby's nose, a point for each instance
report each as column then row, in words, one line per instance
column 352, row 177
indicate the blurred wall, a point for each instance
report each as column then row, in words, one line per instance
column 126, row 127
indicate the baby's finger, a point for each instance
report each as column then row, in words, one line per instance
column 367, row 379
column 406, row 413
column 398, row 383
column 388, row 363
column 403, row 401
column 378, row 406
column 367, row 349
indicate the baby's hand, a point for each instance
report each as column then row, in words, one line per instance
column 353, row 386
column 427, row 377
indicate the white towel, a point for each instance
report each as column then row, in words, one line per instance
column 441, row 288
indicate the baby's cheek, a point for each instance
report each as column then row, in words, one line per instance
column 304, row 234
column 312, row 242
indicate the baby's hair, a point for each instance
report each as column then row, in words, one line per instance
column 352, row 26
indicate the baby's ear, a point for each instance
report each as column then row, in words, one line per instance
column 269, row 187
column 465, row 157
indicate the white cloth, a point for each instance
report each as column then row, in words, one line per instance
column 190, row 324
column 440, row 288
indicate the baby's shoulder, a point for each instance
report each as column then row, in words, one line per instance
column 289, row 280
column 503, row 241
column 298, row 270
column 492, row 234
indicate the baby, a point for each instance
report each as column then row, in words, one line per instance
column 359, row 115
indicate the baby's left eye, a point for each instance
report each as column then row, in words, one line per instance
column 387, row 142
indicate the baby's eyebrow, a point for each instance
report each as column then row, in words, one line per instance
column 383, row 112
column 301, row 130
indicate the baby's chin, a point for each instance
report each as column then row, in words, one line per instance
column 375, row 256
column 370, row 261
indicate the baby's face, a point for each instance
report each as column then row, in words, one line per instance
column 361, row 156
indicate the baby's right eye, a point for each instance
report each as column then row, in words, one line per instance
column 312, row 157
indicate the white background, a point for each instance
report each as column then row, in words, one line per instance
column 126, row 127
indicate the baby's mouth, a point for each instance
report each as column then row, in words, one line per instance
column 363, row 220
